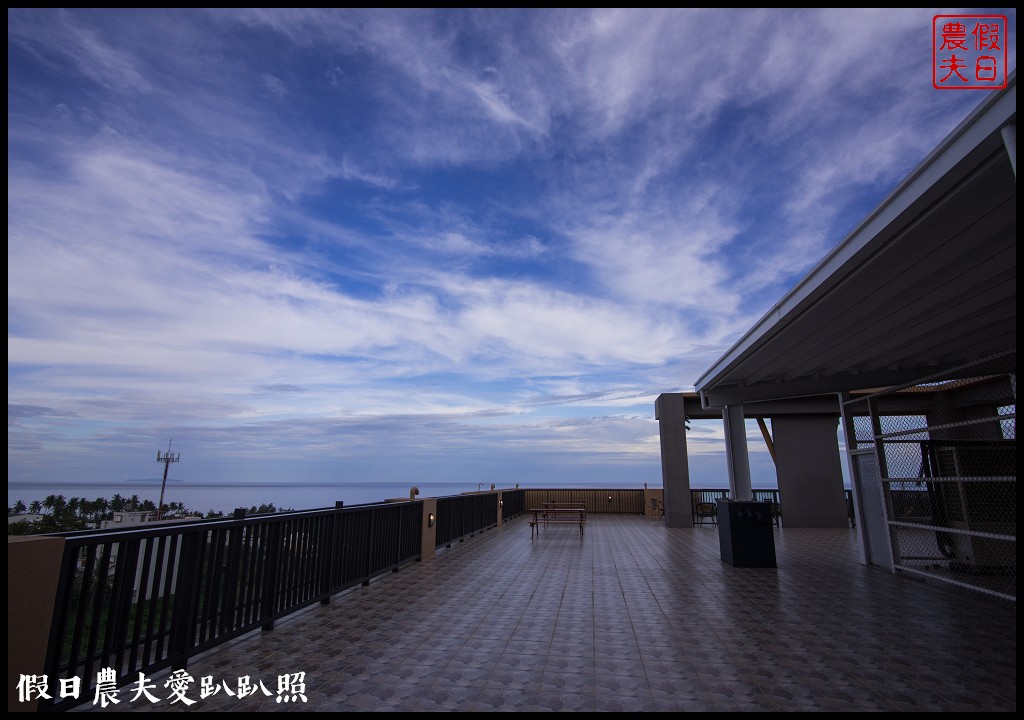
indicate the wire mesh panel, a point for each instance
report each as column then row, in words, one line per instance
column 946, row 448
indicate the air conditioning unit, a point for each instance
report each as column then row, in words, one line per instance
column 983, row 555
column 964, row 498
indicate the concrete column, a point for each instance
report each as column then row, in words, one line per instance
column 33, row 570
column 670, row 411
column 736, row 452
column 428, row 540
column 810, row 471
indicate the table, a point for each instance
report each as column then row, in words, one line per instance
column 557, row 515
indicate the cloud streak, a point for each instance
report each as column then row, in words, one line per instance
column 328, row 234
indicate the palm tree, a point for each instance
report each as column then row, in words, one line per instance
column 35, row 507
column 19, row 507
column 54, row 503
column 134, row 502
column 100, row 506
column 86, row 508
column 117, row 503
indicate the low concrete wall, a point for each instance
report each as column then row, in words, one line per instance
column 649, row 509
column 33, row 569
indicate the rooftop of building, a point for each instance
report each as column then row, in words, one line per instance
column 634, row 616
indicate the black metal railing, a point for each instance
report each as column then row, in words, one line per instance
column 704, row 501
column 462, row 516
column 513, row 504
column 147, row 598
column 141, row 600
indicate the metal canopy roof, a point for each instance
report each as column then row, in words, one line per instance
column 925, row 283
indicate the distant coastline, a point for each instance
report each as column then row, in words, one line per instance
column 299, row 495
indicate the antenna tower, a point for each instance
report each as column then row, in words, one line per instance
column 166, row 458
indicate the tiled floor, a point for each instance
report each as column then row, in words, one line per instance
column 633, row 617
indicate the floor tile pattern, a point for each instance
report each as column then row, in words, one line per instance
column 633, row 617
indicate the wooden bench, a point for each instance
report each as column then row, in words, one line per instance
column 557, row 516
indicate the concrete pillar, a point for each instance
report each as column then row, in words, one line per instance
column 428, row 539
column 736, row 452
column 810, row 471
column 33, row 570
column 670, row 411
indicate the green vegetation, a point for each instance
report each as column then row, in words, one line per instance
column 60, row 514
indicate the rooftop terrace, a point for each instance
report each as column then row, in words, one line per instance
column 632, row 617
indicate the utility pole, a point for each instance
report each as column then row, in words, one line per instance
column 167, row 458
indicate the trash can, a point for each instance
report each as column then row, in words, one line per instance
column 745, row 533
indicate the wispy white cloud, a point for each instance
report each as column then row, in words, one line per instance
column 308, row 231
column 275, row 86
column 58, row 39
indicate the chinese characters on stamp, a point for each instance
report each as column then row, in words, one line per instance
column 969, row 52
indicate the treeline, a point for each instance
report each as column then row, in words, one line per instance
column 60, row 514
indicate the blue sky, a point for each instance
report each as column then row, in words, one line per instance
column 320, row 246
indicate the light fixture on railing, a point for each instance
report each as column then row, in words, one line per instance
column 501, row 503
column 609, row 498
column 431, row 518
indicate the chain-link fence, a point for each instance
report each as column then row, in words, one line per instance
column 946, row 476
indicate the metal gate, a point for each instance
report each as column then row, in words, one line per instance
column 934, row 467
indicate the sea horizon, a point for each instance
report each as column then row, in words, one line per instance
column 224, row 497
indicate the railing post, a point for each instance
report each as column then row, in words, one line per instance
column 186, row 597
column 328, row 563
column 229, row 611
column 268, row 602
column 369, row 548
column 397, row 557
column 121, row 601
